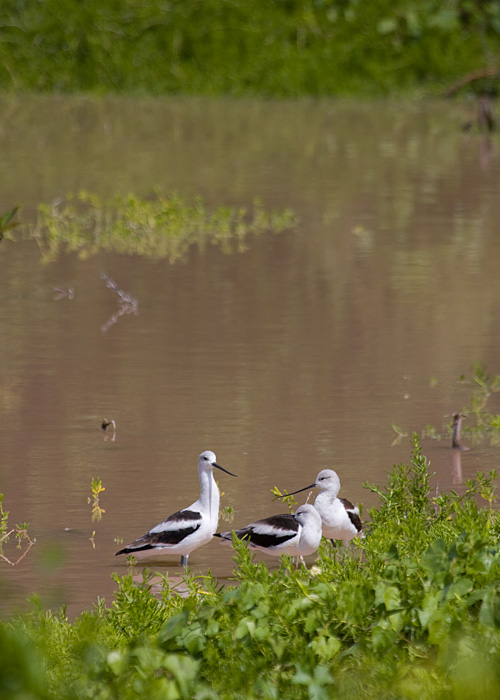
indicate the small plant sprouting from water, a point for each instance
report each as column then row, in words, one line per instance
column 4, row 517
column 227, row 512
column 20, row 532
column 94, row 499
column 6, row 223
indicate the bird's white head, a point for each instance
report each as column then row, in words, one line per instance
column 207, row 461
column 328, row 480
column 307, row 513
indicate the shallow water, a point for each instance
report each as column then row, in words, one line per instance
column 295, row 354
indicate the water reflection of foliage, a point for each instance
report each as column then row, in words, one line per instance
column 160, row 227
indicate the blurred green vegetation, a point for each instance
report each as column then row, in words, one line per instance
column 160, row 227
column 411, row 611
column 265, row 47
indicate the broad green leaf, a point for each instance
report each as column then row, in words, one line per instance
column 173, row 627
column 429, row 607
column 326, row 647
column 391, row 598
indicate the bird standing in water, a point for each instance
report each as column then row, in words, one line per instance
column 187, row 529
column 340, row 518
column 297, row 534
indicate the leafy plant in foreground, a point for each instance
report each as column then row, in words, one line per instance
column 410, row 611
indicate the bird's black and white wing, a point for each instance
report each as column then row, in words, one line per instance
column 269, row 532
column 169, row 532
column 353, row 513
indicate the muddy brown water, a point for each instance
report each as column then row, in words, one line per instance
column 295, row 354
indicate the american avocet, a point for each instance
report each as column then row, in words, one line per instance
column 187, row 529
column 339, row 517
column 297, row 534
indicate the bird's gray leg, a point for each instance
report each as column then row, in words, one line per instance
column 334, row 550
column 184, row 560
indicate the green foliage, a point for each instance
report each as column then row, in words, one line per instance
column 4, row 518
column 285, row 497
column 97, row 489
column 266, row 47
column 411, row 611
column 22, row 673
column 161, row 227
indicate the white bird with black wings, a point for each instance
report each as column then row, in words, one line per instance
column 187, row 529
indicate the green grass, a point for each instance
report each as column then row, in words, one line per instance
column 280, row 48
column 411, row 611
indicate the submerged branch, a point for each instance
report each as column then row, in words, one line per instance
column 20, row 534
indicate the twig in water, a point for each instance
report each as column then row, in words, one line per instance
column 63, row 293
column 20, row 533
column 457, row 425
column 127, row 303
column 124, row 297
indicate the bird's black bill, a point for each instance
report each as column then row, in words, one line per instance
column 298, row 491
column 214, row 464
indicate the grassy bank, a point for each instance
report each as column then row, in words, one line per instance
column 411, row 611
column 267, row 47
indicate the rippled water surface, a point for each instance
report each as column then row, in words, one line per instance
column 293, row 353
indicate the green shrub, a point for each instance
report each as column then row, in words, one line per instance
column 267, row 47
